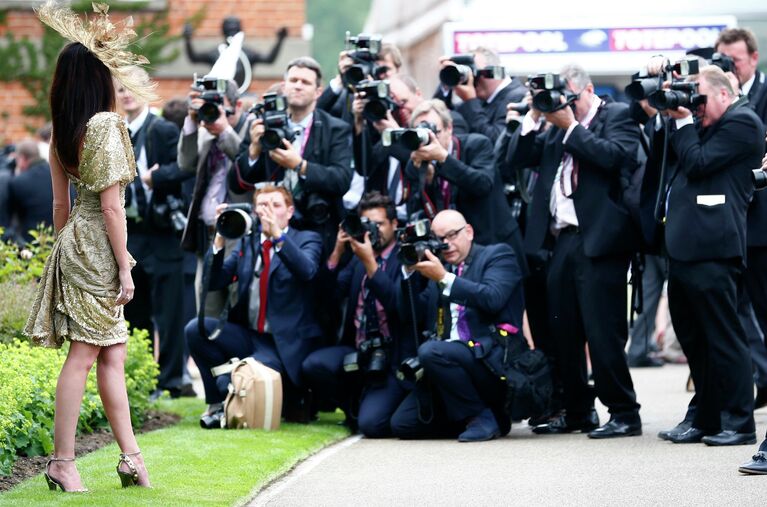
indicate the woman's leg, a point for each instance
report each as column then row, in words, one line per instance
column 110, row 374
column 69, row 396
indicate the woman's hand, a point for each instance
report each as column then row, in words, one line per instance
column 126, row 287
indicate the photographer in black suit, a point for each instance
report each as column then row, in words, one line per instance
column 740, row 45
column 155, row 215
column 705, row 211
column 457, row 172
column 471, row 307
column 371, row 283
column 315, row 167
column 484, row 99
column 577, row 210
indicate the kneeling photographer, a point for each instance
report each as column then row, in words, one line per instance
column 359, row 373
column 273, row 319
column 471, row 307
column 305, row 148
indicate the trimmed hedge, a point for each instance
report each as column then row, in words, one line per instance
column 28, row 388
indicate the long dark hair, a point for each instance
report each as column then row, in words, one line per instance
column 82, row 86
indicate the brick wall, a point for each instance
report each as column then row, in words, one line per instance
column 260, row 20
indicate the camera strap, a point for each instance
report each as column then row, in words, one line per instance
column 223, row 317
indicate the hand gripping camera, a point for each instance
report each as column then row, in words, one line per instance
column 548, row 90
column 236, row 221
column 378, row 100
column 464, row 66
column 364, row 49
column 412, row 138
column 273, row 110
column 356, row 227
column 415, row 240
column 212, row 92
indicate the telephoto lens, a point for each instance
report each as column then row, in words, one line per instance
column 235, row 221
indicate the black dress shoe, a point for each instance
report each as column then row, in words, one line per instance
column 761, row 398
column 691, row 436
column 560, row 424
column 757, row 465
column 615, row 428
column 730, row 437
column 675, row 431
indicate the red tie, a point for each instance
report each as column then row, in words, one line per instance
column 264, row 284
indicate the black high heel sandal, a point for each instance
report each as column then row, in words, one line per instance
column 53, row 483
column 128, row 478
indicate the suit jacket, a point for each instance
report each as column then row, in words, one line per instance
column 490, row 289
column 476, row 189
column 193, row 152
column 329, row 173
column 712, row 186
column 290, row 308
column 339, row 105
column 604, row 153
column 31, row 198
column 148, row 238
column 757, row 211
column 490, row 119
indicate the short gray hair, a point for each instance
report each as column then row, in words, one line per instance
column 716, row 77
column 575, row 74
column 436, row 105
column 491, row 56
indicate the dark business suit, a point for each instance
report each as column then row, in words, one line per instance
column 329, row 173
column 476, row 191
column 31, row 198
column 339, row 105
column 323, row 369
column 158, row 275
column 488, row 119
column 586, row 286
column 706, row 243
column 464, row 379
column 290, row 313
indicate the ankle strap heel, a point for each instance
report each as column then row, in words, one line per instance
column 128, row 478
column 54, row 483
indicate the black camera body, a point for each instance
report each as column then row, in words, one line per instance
column 759, row 177
column 170, row 214
column 724, row 62
column 371, row 357
column 379, row 102
column 681, row 94
column 412, row 138
column 356, row 227
column 548, row 90
column 641, row 86
column 364, row 49
column 410, row 369
column 464, row 66
column 236, row 221
column 273, row 110
column 415, row 240
column 212, row 92
column 522, row 108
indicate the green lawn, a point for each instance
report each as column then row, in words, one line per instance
column 189, row 466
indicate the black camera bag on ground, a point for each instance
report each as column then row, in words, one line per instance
column 527, row 374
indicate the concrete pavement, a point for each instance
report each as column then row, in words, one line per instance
column 526, row 469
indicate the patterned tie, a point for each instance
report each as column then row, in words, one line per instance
column 263, row 282
column 464, row 333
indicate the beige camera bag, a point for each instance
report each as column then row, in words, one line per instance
column 255, row 397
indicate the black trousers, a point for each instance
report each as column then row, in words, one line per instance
column 158, row 300
column 234, row 341
column 463, row 385
column 587, row 303
column 756, row 288
column 703, row 299
column 323, row 372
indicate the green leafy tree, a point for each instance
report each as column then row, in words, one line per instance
column 331, row 20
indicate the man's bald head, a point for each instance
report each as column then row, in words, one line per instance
column 450, row 226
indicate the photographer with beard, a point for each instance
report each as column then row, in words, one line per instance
column 471, row 305
column 315, row 167
column 577, row 211
column 705, row 203
column 371, row 283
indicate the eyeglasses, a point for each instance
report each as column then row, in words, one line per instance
column 450, row 236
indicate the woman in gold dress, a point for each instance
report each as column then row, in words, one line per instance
column 87, row 278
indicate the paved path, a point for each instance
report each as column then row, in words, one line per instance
column 526, row 469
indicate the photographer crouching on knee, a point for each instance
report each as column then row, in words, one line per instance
column 472, row 306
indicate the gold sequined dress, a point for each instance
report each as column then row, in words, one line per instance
column 80, row 283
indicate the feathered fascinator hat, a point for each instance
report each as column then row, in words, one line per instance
column 106, row 40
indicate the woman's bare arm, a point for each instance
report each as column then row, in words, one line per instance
column 60, row 184
column 114, row 219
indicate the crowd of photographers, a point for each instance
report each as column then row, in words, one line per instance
column 384, row 251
